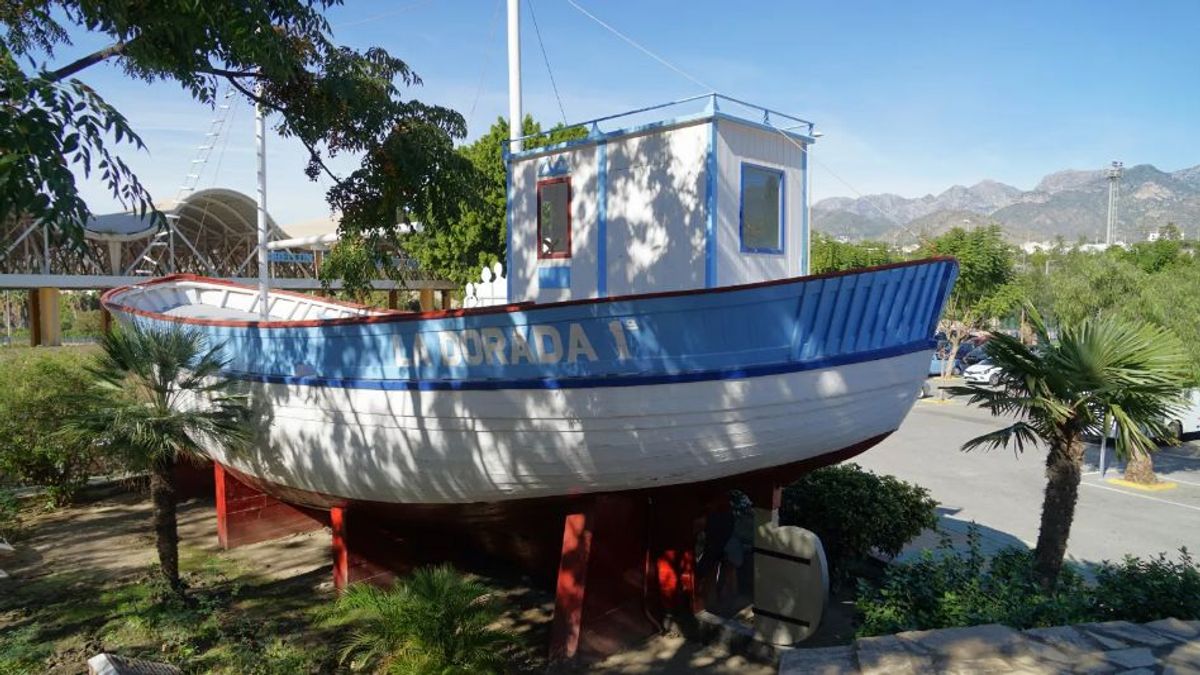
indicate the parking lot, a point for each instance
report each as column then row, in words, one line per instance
column 1002, row 492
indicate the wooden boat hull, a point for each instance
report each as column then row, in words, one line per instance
column 532, row 402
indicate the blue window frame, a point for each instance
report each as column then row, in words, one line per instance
column 760, row 210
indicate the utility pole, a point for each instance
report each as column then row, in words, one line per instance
column 1114, row 195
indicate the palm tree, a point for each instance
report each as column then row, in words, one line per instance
column 158, row 396
column 435, row 621
column 1100, row 373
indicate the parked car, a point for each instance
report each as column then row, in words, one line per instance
column 984, row 372
column 1182, row 427
column 1188, row 422
column 974, row 356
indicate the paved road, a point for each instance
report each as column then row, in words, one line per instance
column 1003, row 493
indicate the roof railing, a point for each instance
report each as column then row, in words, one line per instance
column 714, row 99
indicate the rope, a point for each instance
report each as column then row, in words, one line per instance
column 707, row 87
column 483, row 66
column 639, row 47
column 825, row 167
column 546, row 59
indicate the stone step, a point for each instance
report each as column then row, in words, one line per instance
column 1167, row 645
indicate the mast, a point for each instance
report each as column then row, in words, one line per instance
column 260, row 141
column 515, row 118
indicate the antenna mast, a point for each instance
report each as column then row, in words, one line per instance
column 515, row 118
column 260, row 143
column 1114, row 196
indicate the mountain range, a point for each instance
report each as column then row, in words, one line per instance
column 1071, row 204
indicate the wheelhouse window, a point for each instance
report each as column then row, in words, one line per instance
column 762, row 209
column 554, row 218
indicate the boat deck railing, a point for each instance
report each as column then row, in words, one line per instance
column 713, row 103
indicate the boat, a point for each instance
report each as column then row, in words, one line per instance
column 531, row 400
column 654, row 339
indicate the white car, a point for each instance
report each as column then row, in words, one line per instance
column 1188, row 421
column 984, row 372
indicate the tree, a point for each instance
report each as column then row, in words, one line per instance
column 1170, row 300
column 159, row 396
column 478, row 238
column 277, row 53
column 831, row 255
column 435, row 621
column 985, row 267
column 1091, row 284
column 1101, row 372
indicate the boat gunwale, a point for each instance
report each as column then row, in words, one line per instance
column 108, row 300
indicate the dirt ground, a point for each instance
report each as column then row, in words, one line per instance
column 109, row 540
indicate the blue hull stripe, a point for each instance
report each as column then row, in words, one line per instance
column 592, row 382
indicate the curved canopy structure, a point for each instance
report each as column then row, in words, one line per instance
column 211, row 232
column 212, row 212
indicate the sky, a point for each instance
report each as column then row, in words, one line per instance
column 911, row 97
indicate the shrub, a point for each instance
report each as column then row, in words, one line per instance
column 947, row 588
column 1147, row 590
column 435, row 621
column 40, row 390
column 855, row 512
column 10, row 515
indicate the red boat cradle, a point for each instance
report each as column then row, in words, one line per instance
column 620, row 563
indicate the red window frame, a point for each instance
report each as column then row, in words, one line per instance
column 538, row 243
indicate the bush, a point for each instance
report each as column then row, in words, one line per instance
column 10, row 515
column 435, row 621
column 40, row 389
column 950, row 588
column 1148, row 590
column 855, row 512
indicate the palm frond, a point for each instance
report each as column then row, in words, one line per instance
column 1019, row 435
column 158, row 394
column 1100, row 369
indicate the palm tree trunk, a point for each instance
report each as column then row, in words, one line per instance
column 163, row 495
column 1140, row 468
column 1064, row 469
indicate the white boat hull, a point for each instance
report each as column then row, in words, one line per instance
column 445, row 446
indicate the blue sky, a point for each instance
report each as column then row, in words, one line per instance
column 911, row 97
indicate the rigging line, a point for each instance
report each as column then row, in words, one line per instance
column 225, row 141
column 383, row 15
column 638, row 46
column 546, row 58
column 825, row 167
column 483, row 66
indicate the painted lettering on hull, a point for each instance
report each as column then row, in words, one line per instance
column 494, row 346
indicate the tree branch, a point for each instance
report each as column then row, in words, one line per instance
column 86, row 62
column 283, row 111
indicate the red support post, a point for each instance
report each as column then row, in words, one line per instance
column 246, row 515
column 603, row 578
column 366, row 551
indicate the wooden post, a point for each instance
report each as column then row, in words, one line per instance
column 50, row 331
column 35, row 318
column 393, row 299
column 446, row 297
column 426, row 299
column 105, row 321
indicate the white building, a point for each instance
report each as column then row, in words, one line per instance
column 705, row 200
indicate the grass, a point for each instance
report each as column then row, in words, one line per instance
column 234, row 622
